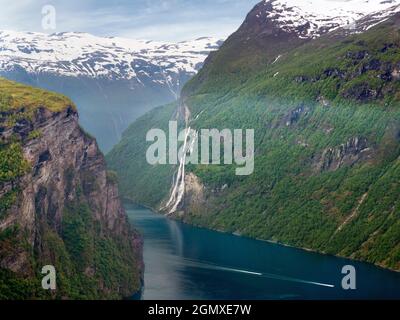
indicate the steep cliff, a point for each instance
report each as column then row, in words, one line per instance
column 59, row 205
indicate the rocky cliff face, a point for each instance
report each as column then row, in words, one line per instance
column 64, row 210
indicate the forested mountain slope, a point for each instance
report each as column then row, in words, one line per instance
column 326, row 114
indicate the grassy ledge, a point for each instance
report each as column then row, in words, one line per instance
column 14, row 95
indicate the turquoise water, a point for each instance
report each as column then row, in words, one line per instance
column 186, row 262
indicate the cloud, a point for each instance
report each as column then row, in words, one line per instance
column 150, row 19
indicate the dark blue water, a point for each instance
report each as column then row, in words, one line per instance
column 185, row 262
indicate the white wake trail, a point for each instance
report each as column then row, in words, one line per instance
column 209, row 266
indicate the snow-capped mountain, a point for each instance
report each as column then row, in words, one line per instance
column 81, row 54
column 115, row 80
column 112, row 80
column 312, row 18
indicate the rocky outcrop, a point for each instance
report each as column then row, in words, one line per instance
column 354, row 150
column 195, row 199
column 294, row 116
column 66, row 211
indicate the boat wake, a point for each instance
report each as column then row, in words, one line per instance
column 209, row 266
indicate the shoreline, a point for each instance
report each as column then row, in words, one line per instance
column 236, row 234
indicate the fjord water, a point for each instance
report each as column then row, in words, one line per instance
column 186, row 262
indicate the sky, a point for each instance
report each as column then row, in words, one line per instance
column 164, row 20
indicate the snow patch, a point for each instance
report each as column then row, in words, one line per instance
column 82, row 54
column 312, row 18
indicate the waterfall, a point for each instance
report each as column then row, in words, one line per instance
column 178, row 182
column 178, row 189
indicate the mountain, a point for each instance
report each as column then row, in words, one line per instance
column 321, row 92
column 310, row 19
column 273, row 28
column 113, row 80
column 59, row 205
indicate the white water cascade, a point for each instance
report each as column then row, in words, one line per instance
column 178, row 189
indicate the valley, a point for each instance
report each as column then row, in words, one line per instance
column 326, row 120
column 316, row 86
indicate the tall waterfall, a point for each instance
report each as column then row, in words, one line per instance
column 178, row 189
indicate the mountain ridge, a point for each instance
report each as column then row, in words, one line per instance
column 327, row 125
column 82, row 54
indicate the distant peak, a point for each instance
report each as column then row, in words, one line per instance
column 311, row 18
column 82, row 54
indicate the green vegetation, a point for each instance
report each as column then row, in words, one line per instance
column 6, row 202
column 12, row 166
column 138, row 180
column 313, row 186
column 92, row 262
column 14, row 287
column 12, row 162
column 15, row 95
column 112, row 177
column 90, row 265
column 76, row 233
column 34, row 134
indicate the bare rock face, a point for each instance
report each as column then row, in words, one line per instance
column 67, row 211
column 349, row 153
column 195, row 199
